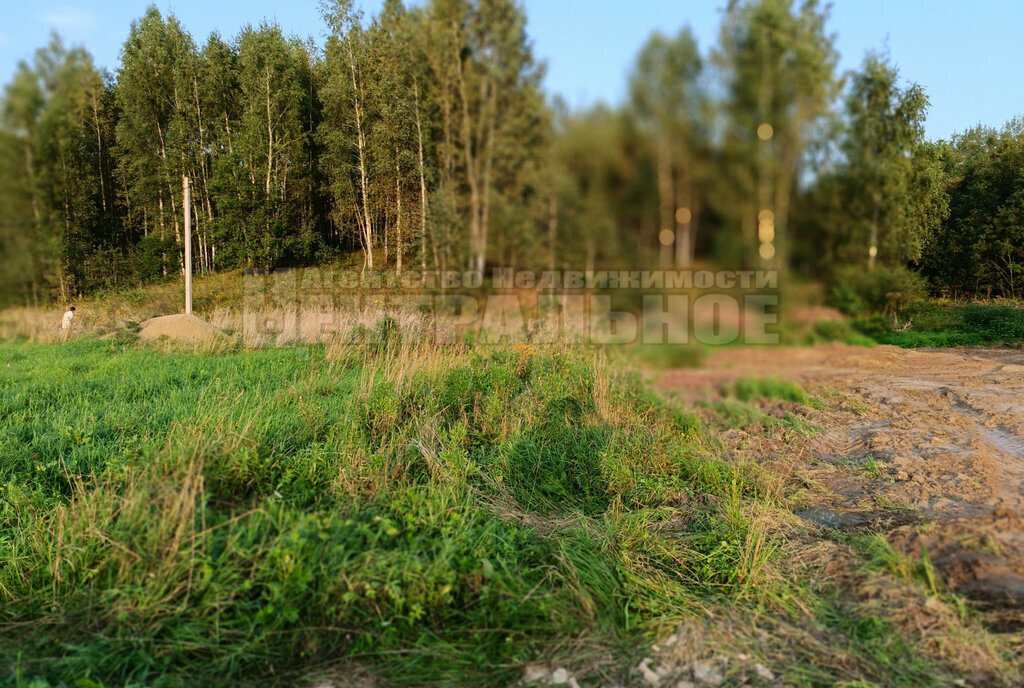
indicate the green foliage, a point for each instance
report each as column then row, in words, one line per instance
column 672, row 109
column 887, row 291
column 847, row 299
column 421, row 137
column 825, row 331
column 219, row 518
column 840, row 331
column 291, row 156
column 730, row 413
column 876, row 326
column 56, row 191
column 436, row 518
column 869, row 635
column 779, row 65
column 892, row 196
column 935, row 324
column 977, row 250
column 672, row 355
column 880, row 555
column 880, row 201
column 995, row 322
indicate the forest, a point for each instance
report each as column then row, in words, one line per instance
column 422, row 139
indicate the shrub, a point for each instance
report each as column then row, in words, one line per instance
column 882, row 290
column 943, row 325
column 839, row 331
column 877, row 327
column 995, row 323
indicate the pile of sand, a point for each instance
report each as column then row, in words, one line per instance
column 180, row 328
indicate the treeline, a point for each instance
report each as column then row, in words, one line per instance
column 407, row 138
column 421, row 139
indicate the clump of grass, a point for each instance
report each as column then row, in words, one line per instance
column 730, row 413
column 823, row 332
column 881, row 556
column 671, row 355
column 874, row 469
column 750, row 389
column 838, row 331
column 873, row 638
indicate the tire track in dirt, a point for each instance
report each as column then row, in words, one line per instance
column 926, row 446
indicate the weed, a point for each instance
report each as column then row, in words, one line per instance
column 874, row 470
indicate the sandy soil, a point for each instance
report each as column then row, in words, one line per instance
column 180, row 328
column 946, row 430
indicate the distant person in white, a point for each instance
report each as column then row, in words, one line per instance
column 67, row 320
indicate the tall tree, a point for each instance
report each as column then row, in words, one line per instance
column 58, row 191
column 893, row 194
column 779, row 64
column 669, row 100
column 492, row 111
column 156, row 134
column 347, row 122
column 269, row 147
column 978, row 249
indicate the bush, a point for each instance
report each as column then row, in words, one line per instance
column 839, row 331
column 995, row 323
column 933, row 324
column 846, row 299
column 877, row 327
column 882, row 290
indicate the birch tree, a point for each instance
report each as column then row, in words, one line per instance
column 779, row 65
column 668, row 97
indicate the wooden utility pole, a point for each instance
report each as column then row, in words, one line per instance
column 187, row 202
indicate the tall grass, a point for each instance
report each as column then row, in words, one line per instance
column 432, row 514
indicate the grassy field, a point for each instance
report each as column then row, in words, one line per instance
column 419, row 516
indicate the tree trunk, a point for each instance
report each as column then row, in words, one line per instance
column 99, row 152
column 361, row 142
column 476, row 238
column 873, row 247
column 552, row 230
column 423, row 187
column 485, row 211
column 666, row 200
column 206, row 203
column 30, row 169
column 684, row 225
column 398, row 217
column 270, row 138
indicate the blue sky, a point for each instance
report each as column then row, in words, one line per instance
column 967, row 55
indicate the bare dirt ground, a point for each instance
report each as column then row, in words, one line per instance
column 924, row 446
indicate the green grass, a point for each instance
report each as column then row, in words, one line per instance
column 938, row 324
column 749, row 389
column 172, row 517
column 670, row 355
column 824, row 332
column 433, row 517
column 874, row 638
